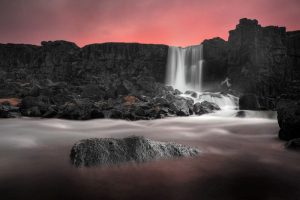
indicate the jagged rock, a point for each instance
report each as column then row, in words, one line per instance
column 177, row 92
column 80, row 110
column 249, row 102
column 110, row 151
column 258, row 60
column 180, row 105
column 288, row 114
column 205, row 107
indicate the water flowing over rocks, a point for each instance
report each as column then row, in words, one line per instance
column 110, row 151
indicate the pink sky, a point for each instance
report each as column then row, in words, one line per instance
column 172, row 22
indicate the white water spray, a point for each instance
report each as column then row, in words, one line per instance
column 185, row 71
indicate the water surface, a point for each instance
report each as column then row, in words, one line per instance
column 241, row 159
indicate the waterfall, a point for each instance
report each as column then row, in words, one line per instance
column 184, row 72
column 184, row 68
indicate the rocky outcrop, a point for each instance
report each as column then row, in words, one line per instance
column 110, row 151
column 59, row 79
column 205, row 107
column 288, row 111
column 215, row 66
column 116, row 68
column 258, row 59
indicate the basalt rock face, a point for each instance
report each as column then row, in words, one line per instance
column 258, row 59
column 289, row 118
column 110, row 151
column 117, row 68
column 215, row 66
column 59, row 77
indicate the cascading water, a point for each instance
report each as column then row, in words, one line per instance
column 184, row 72
column 184, row 68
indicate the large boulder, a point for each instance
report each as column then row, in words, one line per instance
column 110, row 151
column 205, row 107
column 288, row 114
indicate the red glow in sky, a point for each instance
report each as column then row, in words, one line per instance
column 172, row 22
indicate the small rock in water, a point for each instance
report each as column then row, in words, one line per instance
column 109, row 151
column 205, row 107
column 293, row 144
column 241, row 114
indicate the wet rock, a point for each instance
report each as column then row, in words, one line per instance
column 241, row 114
column 8, row 111
column 192, row 93
column 161, row 101
column 177, row 92
column 32, row 112
column 180, row 107
column 205, row 107
column 79, row 110
column 110, row 151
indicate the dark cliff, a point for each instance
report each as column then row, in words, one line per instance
column 113, row 66
column 113, row 80
column 215, row 66
column 260, row 59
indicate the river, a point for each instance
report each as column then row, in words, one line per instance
column 241, row 159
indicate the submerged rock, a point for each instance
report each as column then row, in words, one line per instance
column 241, row 114
column 109, row 151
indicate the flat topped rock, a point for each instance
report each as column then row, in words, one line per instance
column 110, row 151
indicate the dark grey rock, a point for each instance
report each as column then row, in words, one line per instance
column 110, row 151
column 241, row 114
column 8, row 111
column 205, row 107
column 192, row 93
column 177, row 92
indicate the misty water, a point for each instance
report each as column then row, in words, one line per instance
column 241, row 159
